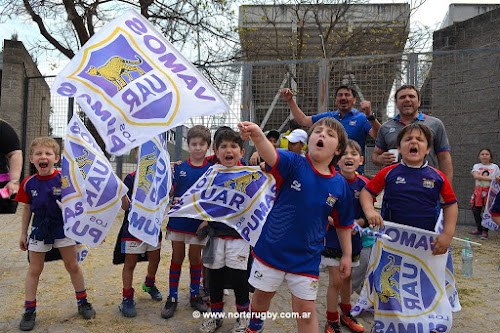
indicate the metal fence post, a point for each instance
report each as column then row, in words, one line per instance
column 247, row 112
column 324, row 72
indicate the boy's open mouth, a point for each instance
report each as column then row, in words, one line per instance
column 349, row 163
column 320, row 143
column 43, row 164
column 229, row 158
column 413, row 150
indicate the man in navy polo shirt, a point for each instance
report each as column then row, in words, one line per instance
column 408, row 101
column 357, row 124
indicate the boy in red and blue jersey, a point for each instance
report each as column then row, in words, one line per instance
column 41, row 195
column 348, row 164
column 181, row 230
column 290, row 245
column 414, row 191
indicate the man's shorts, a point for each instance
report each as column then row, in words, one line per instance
column 332, row 256
column 230, row 252
column 40, row 246
column 184, row 237
column 138, row 247
column 269, row 279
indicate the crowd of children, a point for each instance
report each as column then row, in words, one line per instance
column 311, row 222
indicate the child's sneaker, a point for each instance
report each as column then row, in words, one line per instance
column 198, row 303
column 86, row 310
column 249, row 330
column 240, row 326
column 475, row 232
column 484, row 235
column 210, row 325
column 333, row 327
column 153, row 291
column 169, row 308
column 351, row 322
column 28, row 321
column 127, row 308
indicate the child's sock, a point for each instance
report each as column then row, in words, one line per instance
column 346, row 308
column 217, row 307
column 173, row 279
column 128, row 294
column 30, row 305
column 244, row 307
column 332, row 317
column 149, row 282
column 195, row 274
column 256, row 322
column 81, row 296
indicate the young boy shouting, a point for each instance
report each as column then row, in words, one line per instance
column 290, row 245
column 40, row 194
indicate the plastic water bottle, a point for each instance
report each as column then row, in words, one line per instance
column 467, row 258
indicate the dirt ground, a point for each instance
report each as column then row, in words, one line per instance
column 57, row 312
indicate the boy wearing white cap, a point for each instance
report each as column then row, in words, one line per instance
column 296, row 141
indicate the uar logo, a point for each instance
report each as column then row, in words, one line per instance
column 115, row 67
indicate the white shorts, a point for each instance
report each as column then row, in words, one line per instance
column 186, row 238
column 40, row 246
column 230, row 252
column 269, row 279
column 138, row 247
column 334, row 262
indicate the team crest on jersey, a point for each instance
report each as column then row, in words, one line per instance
column 403, row 284
column 356, row 194
column 352, row 122
column 331, row 200
column 428, row 183
column 56, row 191
column 400, row 180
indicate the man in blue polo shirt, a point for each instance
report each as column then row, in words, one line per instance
column 408, row 101
column 357, row 124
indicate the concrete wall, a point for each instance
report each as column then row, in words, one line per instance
column 465, row 96
column 17, row 67
column 458, row 12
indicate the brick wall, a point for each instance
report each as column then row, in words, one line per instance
column 466, row 96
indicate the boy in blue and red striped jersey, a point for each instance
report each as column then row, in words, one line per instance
column 182, row 231
column 413, row 190
column 41, row 195
column 290, row 245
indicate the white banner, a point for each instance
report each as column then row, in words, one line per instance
column 405, row 283
column 133, row 84
column 150, row 197
column 240, row 197
column 487, row 221
column 91, row 192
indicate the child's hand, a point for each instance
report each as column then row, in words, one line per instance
column 345, row 267
column 254, row 159
column 23, row 243
column 287, row 94
column 374, row 219
column 263, row 166
column 441, row 244
column 201, row 226
column 248, row 129
column 175, row 200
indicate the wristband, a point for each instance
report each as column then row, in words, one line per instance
column 371, row 117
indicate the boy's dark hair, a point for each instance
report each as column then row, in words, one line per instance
column 407, row 86
column 416, row 126
column 46, row 142
column 199, row 131
column 353, row 91
column 293, row 125
column 354, row 145
column 341, row 135
column 488, row 150
column 273, row 134
column 228, row 135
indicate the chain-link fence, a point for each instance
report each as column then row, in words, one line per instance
column 252, row 90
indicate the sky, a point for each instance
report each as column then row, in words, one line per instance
column 430, row 14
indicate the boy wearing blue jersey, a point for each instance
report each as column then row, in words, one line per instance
column 290, row 245
column 182, row 231
column 348, row 164
column 41, row 195
column 132, row 248
column 414, row 191
column 227, row 253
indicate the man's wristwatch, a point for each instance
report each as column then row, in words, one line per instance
column 371, row 117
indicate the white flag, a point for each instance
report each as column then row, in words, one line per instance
column 240, row 197
column 405, row 283
column 133, row 84
column 91, row 192
column 150, row 197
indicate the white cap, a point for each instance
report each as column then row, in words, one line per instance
column 297, row 135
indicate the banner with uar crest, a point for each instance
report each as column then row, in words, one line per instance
column 487, row 221
column 91, row 192
column 405, row 283
column 133, row 84
column 240, row 197
column 150, row 196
